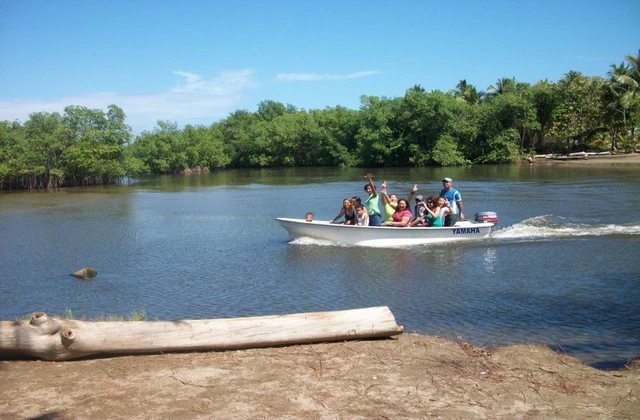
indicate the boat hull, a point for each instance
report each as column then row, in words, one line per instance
column 383, row 236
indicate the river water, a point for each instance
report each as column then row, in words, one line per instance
column 560, row 269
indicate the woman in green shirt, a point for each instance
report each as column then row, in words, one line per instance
column 372, row 202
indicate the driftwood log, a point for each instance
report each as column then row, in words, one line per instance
column 64, row 339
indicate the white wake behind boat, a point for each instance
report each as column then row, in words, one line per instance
column 382, row 236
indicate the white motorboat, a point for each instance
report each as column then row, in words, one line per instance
column 382, row 236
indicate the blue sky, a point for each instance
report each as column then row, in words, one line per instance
column 194, row 62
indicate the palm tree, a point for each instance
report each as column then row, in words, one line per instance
column 416, row 88
column 632, row 97
column 571, row 77
column 504, row 85
column 466, row 92
column 614, row 110
column 625, row 81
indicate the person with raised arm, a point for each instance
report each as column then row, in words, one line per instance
column 390, row 201
column 402, row 215
column 372, row 202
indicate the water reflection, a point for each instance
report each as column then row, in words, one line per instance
column 490, row 259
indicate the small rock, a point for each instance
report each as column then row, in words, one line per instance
column 85, row 274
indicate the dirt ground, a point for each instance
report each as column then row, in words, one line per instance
column 411, row 376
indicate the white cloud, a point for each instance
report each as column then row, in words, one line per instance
column 192, row 99
column 191, row 78
column 305, row 77
column 226, row 83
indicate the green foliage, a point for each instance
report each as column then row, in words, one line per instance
column 501, row 148
column 467, row 93
column 622, row 100
column 134, row 316
column 169, row 150
column 376, row 144
column 581, row 110
column 445, row 152
column 511, row 120
column 81, row 147
column 337, row 129
column 546, row 100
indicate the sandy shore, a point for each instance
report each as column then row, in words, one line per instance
column 630, row 158
column 407, row 377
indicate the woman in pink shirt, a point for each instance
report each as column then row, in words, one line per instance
column 402, row 216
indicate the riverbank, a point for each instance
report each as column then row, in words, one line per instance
column 411, row 376
column 592, row 160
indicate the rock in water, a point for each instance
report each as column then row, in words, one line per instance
column 85, row 274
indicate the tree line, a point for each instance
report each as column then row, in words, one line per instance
column 508, row 121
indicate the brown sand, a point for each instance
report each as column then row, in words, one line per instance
column 407, row 377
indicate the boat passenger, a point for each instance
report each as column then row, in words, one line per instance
column 445, row 209
column 308, row 217
column 348, row 211
column 412, row 193
column 372, row 202
column 390, row 201
column 435, row 211
column 420, row 212
column 362, row 216
column 455, row 202
column 402, row 215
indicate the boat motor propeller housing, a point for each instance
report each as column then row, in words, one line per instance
column 487, row 216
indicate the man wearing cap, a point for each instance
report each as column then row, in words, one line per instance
column 455, row 202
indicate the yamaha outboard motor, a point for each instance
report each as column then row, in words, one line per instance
column 487, row 216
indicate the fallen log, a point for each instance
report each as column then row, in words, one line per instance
column 64, row 339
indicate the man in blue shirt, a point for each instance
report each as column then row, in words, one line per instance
column 455, row 202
